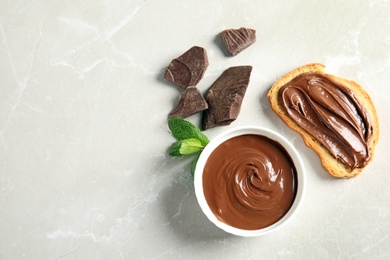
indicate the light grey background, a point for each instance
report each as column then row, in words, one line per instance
column 84, row 171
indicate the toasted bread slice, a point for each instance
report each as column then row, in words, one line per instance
column 333, row 165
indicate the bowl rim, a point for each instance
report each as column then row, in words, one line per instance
column 244, row 130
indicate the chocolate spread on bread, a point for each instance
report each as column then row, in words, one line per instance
column 330, row 113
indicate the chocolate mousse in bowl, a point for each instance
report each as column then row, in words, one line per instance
column 249, row 181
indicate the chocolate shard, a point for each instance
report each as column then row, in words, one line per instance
column 225, row 97
column 236, row 40
column 189, row 68
column 191, row 102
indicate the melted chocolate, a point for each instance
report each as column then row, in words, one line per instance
column 330, row 113
column 249, row 182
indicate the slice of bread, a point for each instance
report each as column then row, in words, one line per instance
column 332, row 165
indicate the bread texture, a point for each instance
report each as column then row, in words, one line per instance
column 333, row 166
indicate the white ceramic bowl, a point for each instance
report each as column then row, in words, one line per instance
column 215, row 142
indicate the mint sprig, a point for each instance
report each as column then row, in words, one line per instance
column 189, row 139
column 182, row 129
column 186, row 146
column 194, row 162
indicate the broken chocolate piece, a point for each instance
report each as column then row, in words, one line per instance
column 191, row 102
column 236, row 40
column 225, row 97
column 189, row 68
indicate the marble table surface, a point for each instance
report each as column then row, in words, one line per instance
column 84, row 170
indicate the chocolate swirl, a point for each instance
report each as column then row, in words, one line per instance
column 249, row 182
column 254, row 177
column 331, row 113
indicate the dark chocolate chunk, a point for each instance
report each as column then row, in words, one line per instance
column 236, row 40
column 225, row 97
column 189, row 68
column 191, row 102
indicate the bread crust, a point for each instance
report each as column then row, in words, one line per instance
column 329, row 163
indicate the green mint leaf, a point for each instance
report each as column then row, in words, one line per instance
column 182, row 129
column 193, row 165
column 186, row 146
column 190, row 146
column 174, row 150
